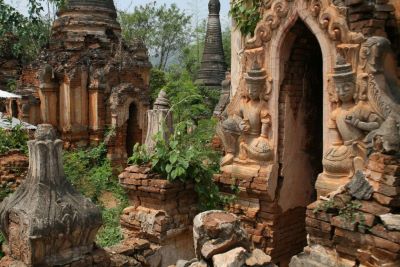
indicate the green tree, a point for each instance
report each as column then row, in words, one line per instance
column 164, row 30
column 226, row 42
column 24, row 36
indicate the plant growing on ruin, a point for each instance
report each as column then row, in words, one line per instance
column 246, row 14
column 91, row 173
column 14, row 138
column 185, row 158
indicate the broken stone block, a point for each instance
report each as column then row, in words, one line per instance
column 233, row 258
column 359, row 187
column 258, row 258
column 216, row 232
column 391, row 221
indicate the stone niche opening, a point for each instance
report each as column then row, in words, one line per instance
column 133, row 131
column 300, row 144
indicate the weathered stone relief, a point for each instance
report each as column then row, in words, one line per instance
column 251, row 123
column 360, row 105
column 46, row 221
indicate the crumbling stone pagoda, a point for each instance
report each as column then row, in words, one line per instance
column 213, row 66
column 88, row 80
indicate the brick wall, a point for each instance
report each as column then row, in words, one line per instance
column 13, row 169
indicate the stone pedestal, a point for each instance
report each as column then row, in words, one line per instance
column 358, row 224
column 161, row 212
column 46, row 222
column 278, row 233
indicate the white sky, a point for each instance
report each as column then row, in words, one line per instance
column 197, row 8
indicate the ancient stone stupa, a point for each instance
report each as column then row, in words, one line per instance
column 159, row 120
column 213, row 66
column 46, row 222
column 88, row 80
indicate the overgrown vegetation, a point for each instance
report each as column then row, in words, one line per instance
column 14, row 138
column 91, row 173
column 246, row 14
column 349, row 211
column 186, row 158
column 22, row 36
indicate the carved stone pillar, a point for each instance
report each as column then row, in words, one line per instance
column 48, row 96
column 158, row 118
column 46, row 222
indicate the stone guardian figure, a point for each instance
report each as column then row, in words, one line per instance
column 245, row 134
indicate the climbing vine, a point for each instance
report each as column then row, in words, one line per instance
column 246, row 14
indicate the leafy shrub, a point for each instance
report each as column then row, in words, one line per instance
column 187, row 158
column 91, row 173
column 14, row 138
column 246, row 13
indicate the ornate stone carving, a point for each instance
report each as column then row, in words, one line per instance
column 349, row 122
column 245, row 134
column 331, row 18
column 270, row 21
column 46, row 221
column 159, row 120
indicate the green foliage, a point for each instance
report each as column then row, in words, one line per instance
column 22, row 36
column 91, row 173
column 246, row 14
column 158, row 79
column 2, row 240
column 226, row 42
column 163, row 29
column 139, row 156
column 189, row 102
column 350, row 211
column 14, row 138
column 4, row 192
column 187, row 158
column 110, row 233
column 325, row 206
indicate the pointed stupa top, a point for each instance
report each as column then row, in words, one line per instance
column 213, row 66
column 108, row 4
column 214, row 7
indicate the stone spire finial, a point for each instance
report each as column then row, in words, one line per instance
column 108, row 4
column 162, row 101
column 213, row 66
column 214, row 7
column 159, row 120
column 46, row 217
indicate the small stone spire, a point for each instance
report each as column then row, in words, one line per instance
column 46, row 221
column 213, row 66
column 159, row 120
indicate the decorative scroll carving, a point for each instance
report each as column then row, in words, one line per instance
column 270, row 21
column 330, row 17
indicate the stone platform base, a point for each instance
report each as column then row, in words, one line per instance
column 98, row 258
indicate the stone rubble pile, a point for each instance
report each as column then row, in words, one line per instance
column 358, row 223
column 220, row 241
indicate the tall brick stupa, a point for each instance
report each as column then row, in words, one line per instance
column 213, row 66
